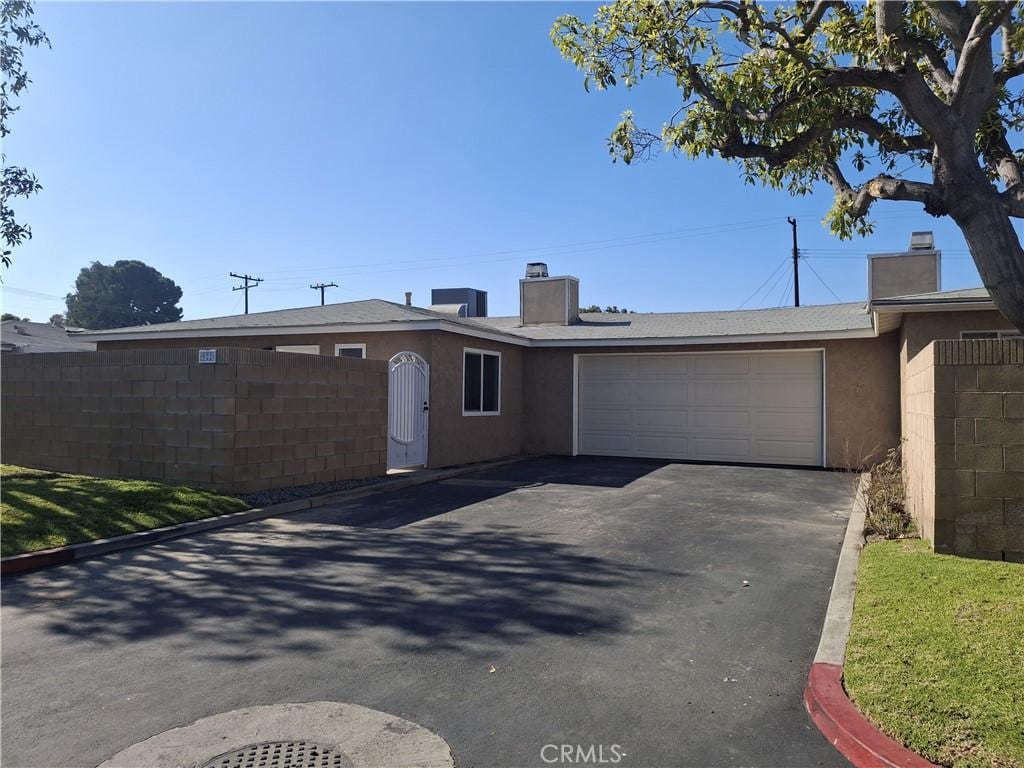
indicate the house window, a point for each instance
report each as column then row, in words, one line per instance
column 350, row 350
column 302, row 349
column 481, row 383
column 967, row 335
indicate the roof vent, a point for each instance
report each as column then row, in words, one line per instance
column 536, row 269
column 922, row 241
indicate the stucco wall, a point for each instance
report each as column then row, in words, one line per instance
column 453, row 438
column 458, row 439
column 251, row 420
column 861, row 399
column 964, row 449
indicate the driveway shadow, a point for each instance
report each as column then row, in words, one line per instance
column 281, row 585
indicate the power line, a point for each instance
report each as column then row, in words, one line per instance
column 822, row 281
column 785, row 291
column 255, row 283
column 322, row 287
column 762, row 285
column 698, row 231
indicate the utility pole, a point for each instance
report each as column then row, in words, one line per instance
column 322, row 287
column 796, row 264
column 255, row 283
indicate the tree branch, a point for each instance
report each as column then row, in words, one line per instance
column 973, row 82
column 999, row 156
column 948, row 17
column 882, row 187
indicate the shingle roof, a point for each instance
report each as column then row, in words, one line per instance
column 939, row 297
column 828, row 318
column 40, row 337
column 823, row 319
column 368, row 311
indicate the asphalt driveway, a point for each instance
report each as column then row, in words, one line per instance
column 670, row 609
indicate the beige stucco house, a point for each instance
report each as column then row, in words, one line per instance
column 810, row 386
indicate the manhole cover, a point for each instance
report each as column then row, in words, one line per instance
column 280, row 754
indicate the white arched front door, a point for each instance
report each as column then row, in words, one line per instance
column 408, row 404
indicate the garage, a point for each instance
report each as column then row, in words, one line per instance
column 752, row 407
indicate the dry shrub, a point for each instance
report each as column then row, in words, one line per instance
column 885, row 499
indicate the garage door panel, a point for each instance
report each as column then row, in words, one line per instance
column 722, row 448
column 661, row 419
column 605, row 393
column 606, row 366
column 784, row 394
column 661, row 446
column 662, row 365
column 787, row 365
column 786, row 451
column 744, row 407
column 601, row 418
column 608, row 444
column 726, row 393
column 722, row 420
column 796, row 424
column 667, row 393
column 719, row 365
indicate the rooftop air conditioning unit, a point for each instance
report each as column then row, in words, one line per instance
column 536, row 269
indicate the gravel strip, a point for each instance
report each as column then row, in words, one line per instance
column 280, row 495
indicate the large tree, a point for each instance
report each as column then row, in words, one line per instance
column 881, row 100
column 17, row 30
column 125, row 293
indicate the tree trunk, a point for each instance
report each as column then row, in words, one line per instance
column 998, row 255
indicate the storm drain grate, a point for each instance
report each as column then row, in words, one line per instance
column 280, row 754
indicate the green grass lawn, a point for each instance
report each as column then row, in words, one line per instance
column 936, row 653
column 40, row 509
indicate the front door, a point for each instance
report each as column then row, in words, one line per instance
column 408, row 403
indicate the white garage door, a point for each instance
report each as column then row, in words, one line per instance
column 763, row 408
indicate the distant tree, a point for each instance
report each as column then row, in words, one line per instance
column 917, row 102
column 17, row 29
column 127, row 293
column 9, row 316
column 612, row 309
column 591, row 308
column 57, row 320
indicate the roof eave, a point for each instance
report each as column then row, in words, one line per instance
column 929, row 305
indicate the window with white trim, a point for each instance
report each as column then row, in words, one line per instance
column 968, row 335
column 301, row 349
column 350, row 350
column 481, row 383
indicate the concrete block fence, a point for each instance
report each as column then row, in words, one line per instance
column 251, row 420
column 964, row 450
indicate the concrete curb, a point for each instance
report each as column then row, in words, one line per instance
column 47, row 558
column 825, row 699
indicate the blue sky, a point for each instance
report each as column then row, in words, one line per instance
column 385, row 147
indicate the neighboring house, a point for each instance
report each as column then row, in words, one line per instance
column 22, row 336
column 813, row 386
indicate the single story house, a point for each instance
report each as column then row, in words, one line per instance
column 17, row 336
column 812, row 386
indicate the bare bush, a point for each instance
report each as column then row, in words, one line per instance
column 885, row 499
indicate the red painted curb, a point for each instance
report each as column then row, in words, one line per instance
column 847, row 729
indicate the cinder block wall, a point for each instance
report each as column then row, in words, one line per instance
column 252, row 420
column 964, row 449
